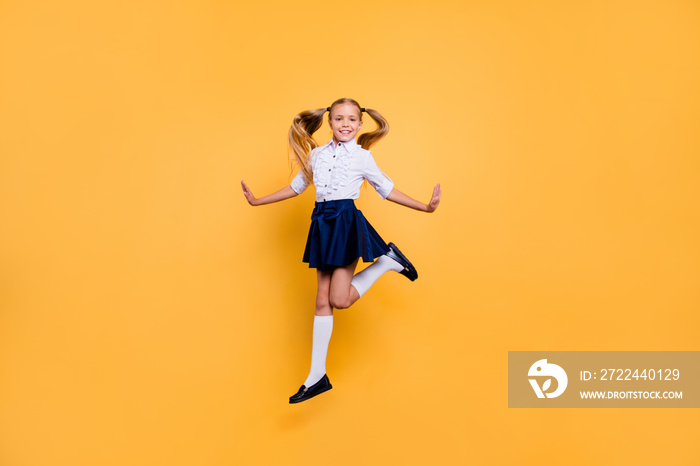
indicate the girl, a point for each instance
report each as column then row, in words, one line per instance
column 339, row 234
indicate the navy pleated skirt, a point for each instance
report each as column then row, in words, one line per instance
column 339, row 234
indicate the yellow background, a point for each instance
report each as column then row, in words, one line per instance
column 151, row 317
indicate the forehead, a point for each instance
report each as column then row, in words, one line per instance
column 345, row 110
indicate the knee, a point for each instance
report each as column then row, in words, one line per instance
column 340, row 302
column 323, row 308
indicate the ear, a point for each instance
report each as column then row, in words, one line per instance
column 360, row 125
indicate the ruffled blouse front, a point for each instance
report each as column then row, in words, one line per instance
column 339, row 170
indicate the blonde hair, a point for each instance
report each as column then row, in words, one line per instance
column 306, row 123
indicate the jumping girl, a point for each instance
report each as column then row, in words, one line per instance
column 339, row 234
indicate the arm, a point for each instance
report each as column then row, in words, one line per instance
column 400, row 198
column 284, row 193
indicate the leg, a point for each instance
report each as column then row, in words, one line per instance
column 323, row 304
column 323, row 328
column 342, row 293
column 366, row 278
column 346, row 288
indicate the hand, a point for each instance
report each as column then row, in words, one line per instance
column 248, row 195
column 435, row 200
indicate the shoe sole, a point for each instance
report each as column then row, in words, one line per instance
column 325, row 389
column 411, row 268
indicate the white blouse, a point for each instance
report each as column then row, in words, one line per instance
column 339, row 172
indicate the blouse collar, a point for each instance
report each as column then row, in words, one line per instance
column 349, row 146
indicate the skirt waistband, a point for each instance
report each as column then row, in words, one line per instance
column 331, row 209
column 335, row 203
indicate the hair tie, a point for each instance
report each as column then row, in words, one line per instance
column 328, row 109
column 362, row 110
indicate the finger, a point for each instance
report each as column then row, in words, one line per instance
column 246, row 189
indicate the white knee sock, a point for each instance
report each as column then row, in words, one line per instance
column 323, row 327
column 362, row 281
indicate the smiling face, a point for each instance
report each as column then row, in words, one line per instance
column 345, row 122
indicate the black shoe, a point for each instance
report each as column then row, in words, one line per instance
column 319, row 387
column 408, row 269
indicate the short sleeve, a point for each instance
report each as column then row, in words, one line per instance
column 299, row 183
column 377, row 178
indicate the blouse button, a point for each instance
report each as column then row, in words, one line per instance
column 329, row 169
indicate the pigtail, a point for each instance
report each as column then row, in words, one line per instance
column 301, row 142
column 367, row 140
